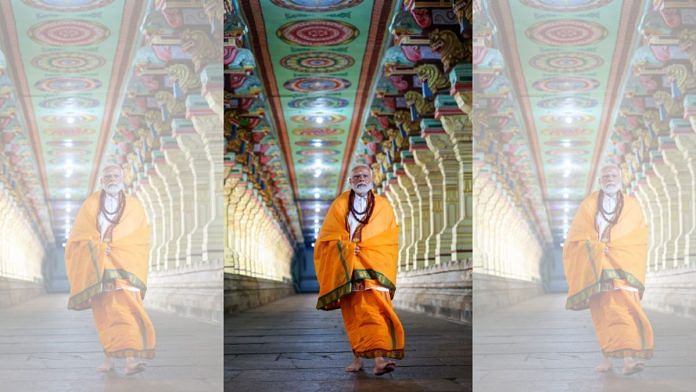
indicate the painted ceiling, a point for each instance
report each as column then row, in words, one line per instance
column 565, row 63
column 67, row 60
column 317, row 63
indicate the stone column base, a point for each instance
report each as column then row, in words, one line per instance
column 493, row 292
column 246, row 292
column 14, row 291
column 440, row 290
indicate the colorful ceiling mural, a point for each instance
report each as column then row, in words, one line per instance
column 565, row 63
column 67, row 61
column 317, row 63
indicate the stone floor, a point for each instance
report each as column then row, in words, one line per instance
column 289, row 346
column 539, row 346
column 44, row 347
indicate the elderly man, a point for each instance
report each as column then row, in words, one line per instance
column 356, row 261
column 106, row 259
column 605, row 257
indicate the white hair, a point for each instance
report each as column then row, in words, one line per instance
column 112, row 167
column 359, row 166
column 609, row 166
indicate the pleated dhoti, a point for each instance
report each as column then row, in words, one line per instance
column 372, row 326
column 124, row 328
column 622, row 328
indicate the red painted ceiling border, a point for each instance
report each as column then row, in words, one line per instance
column 505, row 22
column 130, row 21
column 378, row 24
column 11, row 47
column 627, row 23
column 254, row 16
column 381, row 10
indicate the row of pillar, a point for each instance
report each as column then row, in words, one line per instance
column 21, row 249
column 261, row 221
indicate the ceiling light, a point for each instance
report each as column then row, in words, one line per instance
column 317, row 173
column 316, row 195
column 70, row 120
column 568, row 119
column 319, row 120
column 68, row 143
column 316, row 209
column 316, row 143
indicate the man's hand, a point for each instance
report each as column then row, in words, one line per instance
column 357, row 249
column 108, row 249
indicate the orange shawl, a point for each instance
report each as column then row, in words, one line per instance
column 587, row 265
column 336, row 263
column 88, row 268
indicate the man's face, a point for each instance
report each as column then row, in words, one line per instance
column 610, row 180
column 361, row 180
column 112, row 180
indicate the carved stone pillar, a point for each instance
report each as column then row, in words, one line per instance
column 410, row 190
column 425, row 158
column 458, row 128
column 418, row 177
column 439, row 143
column 408, row 215
column 685, row 139
column 208, row 126
column 393, row 192
column 672, row 200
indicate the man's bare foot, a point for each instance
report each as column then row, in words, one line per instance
column 383, row 366
column 355, row 366
column 133, row 366
column 604, row 366
column 107, row 366
column 631, row 366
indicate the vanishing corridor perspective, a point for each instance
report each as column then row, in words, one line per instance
column 313, row 89
column 95, row 83
column 561, row 91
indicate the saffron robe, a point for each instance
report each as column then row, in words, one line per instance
column 96, row 279
column 371, row 324
column 596, row 272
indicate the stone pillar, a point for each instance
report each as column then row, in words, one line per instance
column 418, row 178
column 458, row 128
column 685, row 139
column 425, row 158
column 409, row 190
column 439, row 143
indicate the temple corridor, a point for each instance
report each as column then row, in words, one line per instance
column 128, row 84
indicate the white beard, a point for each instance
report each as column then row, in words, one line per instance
column 611, row 189
column 361, row 189
column 113, row 189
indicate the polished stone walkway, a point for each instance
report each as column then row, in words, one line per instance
column 539, row 346
column 44, row 347
column 289, row 346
